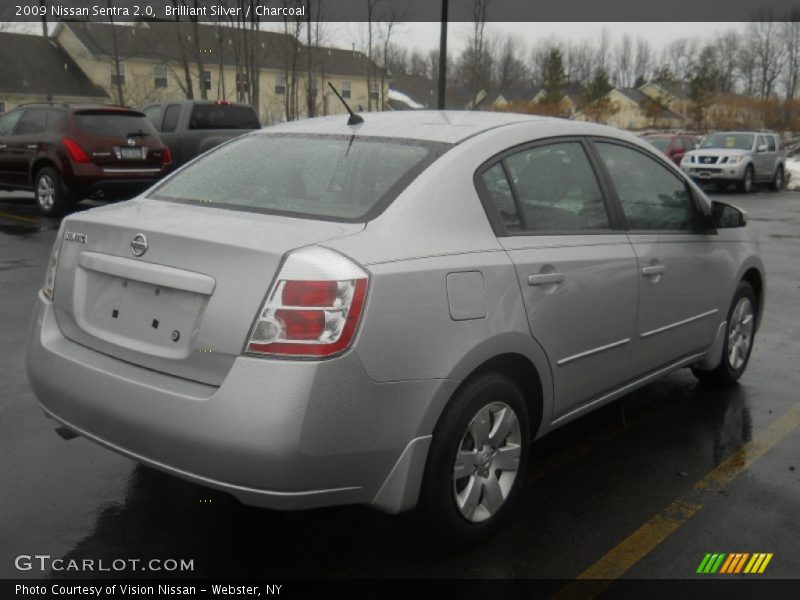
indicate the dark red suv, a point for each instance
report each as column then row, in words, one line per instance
column 674, row 145
column 65, row 153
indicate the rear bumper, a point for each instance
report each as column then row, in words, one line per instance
column 122, row 183
column 278, row 434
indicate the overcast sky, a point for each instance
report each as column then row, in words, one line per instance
column 426, row 35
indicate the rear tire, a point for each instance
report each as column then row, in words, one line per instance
column 476, row 462
column 739, row 336
column 777, row 180
column 747, row 184
column 51, row 195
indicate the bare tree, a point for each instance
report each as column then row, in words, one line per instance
column 725, row 47
column 768, row 51
column 510, row 70
column 624, row 61
column 790, row 33
column 643, row 63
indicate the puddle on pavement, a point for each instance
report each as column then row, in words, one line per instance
column 23, row 228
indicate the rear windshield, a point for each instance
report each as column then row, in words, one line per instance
column 732, row 141
column 344, row 178
column 659, row 143
column 114, row 124
column 223, row 116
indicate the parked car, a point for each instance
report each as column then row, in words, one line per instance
column 191, row 127
column 66, row 152
column 674, row 145
column 388, row 313
column 741, row 157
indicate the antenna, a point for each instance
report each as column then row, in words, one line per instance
column 354, row 119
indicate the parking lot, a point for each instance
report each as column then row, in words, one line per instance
column 642, row 488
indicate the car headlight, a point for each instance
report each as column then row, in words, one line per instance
column 687, row 159
column 732, row 160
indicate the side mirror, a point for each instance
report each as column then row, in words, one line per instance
column 726, row 216
column 761, row 148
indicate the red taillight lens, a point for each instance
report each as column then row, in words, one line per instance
column 76, row 153
column 311, row 317
column 166, row 156
column 309, row 293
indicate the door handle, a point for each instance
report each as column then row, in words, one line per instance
column 545, row 278
column 653, row 270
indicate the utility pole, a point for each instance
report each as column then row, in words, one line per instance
column 443, row 57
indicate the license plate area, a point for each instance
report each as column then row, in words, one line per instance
column 136, row 153
column 152, row 319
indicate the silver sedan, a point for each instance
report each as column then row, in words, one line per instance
column 388, row 313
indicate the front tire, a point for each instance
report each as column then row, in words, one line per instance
column 739, row 336
column 51, row 195
column 777, row 180
column 747, row 184
column 476, row 461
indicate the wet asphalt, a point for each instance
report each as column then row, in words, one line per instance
column 588, row 486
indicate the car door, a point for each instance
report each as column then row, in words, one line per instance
column 23, row 145
column 8, row 124
column 681, row 274
column 761, row 159
column 677, row 150
column 772, row 152
column 576, row 268
column 169, row 134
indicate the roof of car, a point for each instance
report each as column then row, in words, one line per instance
column 447, row 126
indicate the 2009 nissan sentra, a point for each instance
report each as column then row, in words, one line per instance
column 388, row 313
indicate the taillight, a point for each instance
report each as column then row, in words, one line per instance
column 52, row 266
column 166, row 157
column 314, row 308
column 76, row 153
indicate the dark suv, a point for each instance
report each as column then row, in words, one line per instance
column 67, row 152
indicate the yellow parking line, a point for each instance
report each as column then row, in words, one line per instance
column 18, row 218
column 642, row 541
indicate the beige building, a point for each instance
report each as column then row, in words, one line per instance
column 632, row 109
column 34, row 70
column 149, row 62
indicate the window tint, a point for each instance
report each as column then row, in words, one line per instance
column 557, row 188
column 113, row 124
column 499, row 191
column 760, row 143
column 32, row 122
column 153, row 113
column 339, row 177
column 771, row 143
column 652, row 197
column 171, row 118
column 56, row 119
column 8, row 122
column 223, row 116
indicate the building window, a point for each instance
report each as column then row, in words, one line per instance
column 346, row 87
column 373, row 90
column 160, row 76
column 2, row 107
column 242, row 84
column 280, row 84
column 118, row 80
column 207, row 80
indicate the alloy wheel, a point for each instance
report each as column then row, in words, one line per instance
column 487, row 462
column 740, row 333
column 46, row 192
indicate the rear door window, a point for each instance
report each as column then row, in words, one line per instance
column 171, row 116
column 8, row 122
column 114, row 124
column 346, row 178
column 498, row 190
column 223, row 116
column 652, row 196
column 55, row 119
column 32, row 122
column 557, row 189
column 771, row 143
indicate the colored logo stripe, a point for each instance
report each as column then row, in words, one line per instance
column 733, row 563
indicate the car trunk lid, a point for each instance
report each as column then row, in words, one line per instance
column 173, row 287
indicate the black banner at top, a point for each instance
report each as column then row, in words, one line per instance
column 397, row 10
